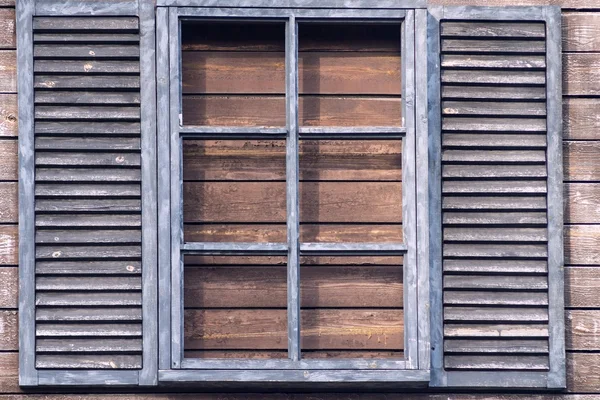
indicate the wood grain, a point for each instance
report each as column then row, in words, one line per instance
column 575, row 4
column 9, row 250
column 9, row 203
column 9, row 276
column 581, row 118
column 584, row 332
column 581, row 287
column 582, row 205
column 8, row 71
column 581, row 244
column 581, row 31
column 8, row 160
column 7, row 28
column 581, row 74
column 580, row 161
column 9, row 331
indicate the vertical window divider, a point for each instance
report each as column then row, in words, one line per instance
column 292, row 183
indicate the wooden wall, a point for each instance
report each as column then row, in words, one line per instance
column 581, row 22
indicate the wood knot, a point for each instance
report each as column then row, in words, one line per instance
column 130, row 268
column 120, row 159
column 56, row 254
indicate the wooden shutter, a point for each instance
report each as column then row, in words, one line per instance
column 87, row 199
column 495, row 131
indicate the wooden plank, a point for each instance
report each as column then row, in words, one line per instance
column 84, row 23
column 570, row 4
column 496, row 171
column 8, row 160
column 87, row 252
column 496, row 330
column 80, row 82
column 86, row 38
column 8, row 245
column 267, row 329
column 493, row 77
column 582, row 203
column 494, row 156
column 92, row 283
column 48, row 67
column 9, row 203
column 581, row 76
column 266, row 287
column 495, row 314
column 580, row 161
column 84, row 220
column 489, row 282
column 580, row 31
column 8, row 71
column 583, row 375
column 493, row 108
column 86, row 362
column 494, row 218
column 93, row 144
column 7, row 29
column 485, row 61
column 496, row 266
column 495, row 250
column 497, row 362
column 88, row 345
column 493, row 203
column 86, row 97
column 492, row 29
column 9, row 373
column 69, row 236
column 9, row 331
column 89, row 51
column 87, row 190
column 87, row 175
column 581, row 285
column 269, row 233
column 495, row 298
column 62, row 314
column 519, row 125
column 495, row 234
column 493, row 46
column 265, row 160
column 581, row 244
column 269, row 111
column 106, row 205
column 86, row 128
column 582, row 328
column 8, row 291
column 88, row 299
column 495, row 346
column 265, row 202
column 86, row 113
column 304, row 260
column 88, row 267
column 581, row 118
column 8, row 114
column 318, row 73
column 87, row 159
column 493, row 92
column 92, row 330
column 479, row 140
column 493, row 187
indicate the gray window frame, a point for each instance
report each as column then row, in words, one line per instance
column 414, row 368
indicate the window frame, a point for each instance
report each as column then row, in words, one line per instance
column 414, row 367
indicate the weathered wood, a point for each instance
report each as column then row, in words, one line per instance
column 265, row 160
column 481, row 282
column 9, row 331
column 88, row 236
column 267, row 329
column 8, row 245
column 495, row 171
column 496, row 330
column 88, row 314
column 85, row 38
column 269, row 111
column 86, row 113
column 495, row 346
column 494, row 218
column 493, row 314
column 485, row 61
column 570, row 4
column 495, row 298
column 265, row 202
column 493, row 108
column 87, row 252
column 8, row 71
column 88, row 345
column 87, row 205
column 92, row 361
column 8, row 114
column 580, row 32
column 88, row 299
column 582, row 328
column 84, row 67
column 84, row 97
column 87, row 159
column 493, row 77
column 493, row 46
column 96, row 144
column 581, row 74
column 581, row 285
column 92, row 329
column 86, row 190
column 494, row 156
column 9, row 203
column 87, row 128
column 581, row 118
column 87, row 175
column 496, row 234
column 495, row 250
column 73, row 283
column 497, row 362
column 240, row 287
column 9, row 276
column 496, row 266
column 91, row 51
column 318, row 73
column 493, row 203
column 519, row 125
column 88, row 267
column 581, row 244
column 493, row 92
column 80, row 82
column 492, row 29
column 8, row 160
column 84, row 220
column 494, row 187
column 84, row 23
column 580, row 161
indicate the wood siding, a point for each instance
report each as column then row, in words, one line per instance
column 581, row 27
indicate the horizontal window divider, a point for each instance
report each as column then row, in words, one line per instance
column 287, row 364
column 340, row 132
column 233, row 248
column 351, row 249
column 364, row 16
column 231, row 132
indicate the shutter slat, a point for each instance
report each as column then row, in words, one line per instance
column 92, row 361
column 482, row 77
column 496, row 330
column 492, row 314
column 88, row 236
column 496, row 346
column 88, row 345
column 497, row 362
column 87, row 205
column 494, row 218
column 494, row 187
column 88, row 314
column 484, row 61
column 88, row 268
column 495, row 298
column 88, row 299
column 492, row 29
column 493, row 92
column 493, row 46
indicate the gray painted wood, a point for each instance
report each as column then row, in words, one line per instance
column 86, row 7
column 27, row 373
column 266, row 13
column 295, row 3
column 89, row 378
column 288, row 364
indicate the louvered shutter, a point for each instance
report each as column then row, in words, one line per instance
column 495, row 145
column 87, row 193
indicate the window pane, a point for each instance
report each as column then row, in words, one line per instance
column 233, row 74
column 234, row 190
column 235, row 307
column 349, row 75
column 351, row 191
column 352, row 307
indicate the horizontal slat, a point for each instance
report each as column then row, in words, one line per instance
column 270, row 111
column 86, row 128
column 87, row 252
column 496, row 330
column 493, row 187
column 492, row 29
column 485, row 61
column 490, row 282
column 87, row 314
column 86, row 112
column 85, row 67
column 72, row 345
column 497, row 362
column 88, row 236
column 493, row 46
column 267, row 329
column 493, row 108
column 240, row 287
column 91, row 51
column 86, row 220
column 87, row 175
column 491, row 314
column 86, row 190
column 495, row 250
column 85, row 23
column 495, row 234
column 87, row 97
column 493, row 203
column 496, row 171
column 494, row 124
column 494, row 218
column 86, row 82
column 88, row 267
column 499, row 140
column 89, row 299
column 87, row 205
column 85, row 362
column 496, row 346
column 43, row 158
column 92, row 144
column 496, row 266
column 318, row 73
column 495, row 298
column 78, row 37
column 493, row 92
column 494, row 156
column 581, row 160
column 493, row 77
column 92, row 283
column 93, row 329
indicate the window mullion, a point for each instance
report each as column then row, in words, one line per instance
column 292, row 183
